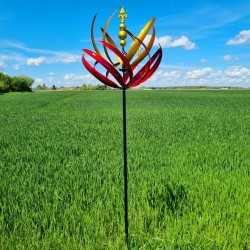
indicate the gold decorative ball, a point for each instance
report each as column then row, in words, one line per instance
column 122, row 26
column 122, row 34
column 122, row 43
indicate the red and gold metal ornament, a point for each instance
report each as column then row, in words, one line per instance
column 126, row 62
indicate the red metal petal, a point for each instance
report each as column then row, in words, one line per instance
column 144, row 74
column 109, row 67
column 135, row 64
column 98, row 75
column 123, row 59
column 155, row 66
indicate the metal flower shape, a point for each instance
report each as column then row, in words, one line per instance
column 123, row 71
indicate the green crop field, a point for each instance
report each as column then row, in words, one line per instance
column 61, row 170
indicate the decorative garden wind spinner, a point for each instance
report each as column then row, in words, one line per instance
column 126, row 71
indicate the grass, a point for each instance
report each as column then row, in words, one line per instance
column 61, row 170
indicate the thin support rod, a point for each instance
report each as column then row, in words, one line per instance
column 125, row 173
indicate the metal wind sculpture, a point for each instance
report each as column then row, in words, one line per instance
column 126, row 63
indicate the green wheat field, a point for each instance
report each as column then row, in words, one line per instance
column 61, row 170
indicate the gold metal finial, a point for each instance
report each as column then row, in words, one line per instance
column 122, row 33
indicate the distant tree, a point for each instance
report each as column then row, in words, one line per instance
column 39, row 87
column 21, row 83
column 54, row 87
column 44, row 86
column 2, row 86
column 101, row 87
column 16, row 83
column 5, row 83
column 95, row 87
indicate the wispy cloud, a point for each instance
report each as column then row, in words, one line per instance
column 242, row 38
column 52, row 56
column 69, row 59
column 238, row 71
column 205, row 20
column 4, row 58
column 75, row 79
column 23, row 47
column 2, row 65
column 221, row 19
column 219, row 16
column 232, row 76
column 230, row 58
column 203, row 60
column 16, row 66
column 170, row 42
column 39, row 80
column 199, row 73
column 36, row 61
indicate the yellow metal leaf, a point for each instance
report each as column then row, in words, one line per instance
column 143, row 54
column 104, row 36
column 136, row 44
column 93, row 36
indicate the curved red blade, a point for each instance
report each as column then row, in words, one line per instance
column 109, row 67
column 144, row 74
column 123, row 58
column 98, row 75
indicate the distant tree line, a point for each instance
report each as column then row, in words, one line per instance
column 15, row 83
column 94, row 87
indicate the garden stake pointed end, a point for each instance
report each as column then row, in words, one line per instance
column 127, row 63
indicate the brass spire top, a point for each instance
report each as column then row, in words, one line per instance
column 122, row 33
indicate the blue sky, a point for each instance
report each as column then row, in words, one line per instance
column 204, row 42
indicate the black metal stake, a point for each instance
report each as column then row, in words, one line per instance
column 125, row 173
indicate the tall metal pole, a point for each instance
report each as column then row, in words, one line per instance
column 122, row 35
column 125, row 173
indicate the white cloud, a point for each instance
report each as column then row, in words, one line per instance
column 80, row 79
column 199, row 73
column 14, row 57
column 203, row 60
column 184, row 42
column 172, row 74
column 22, row 46
column 69, row 77
column 16, row 66
column 169, row 42
column 50, row 55
column 2, row 65
column 50, row 79
column 163, row 78
column 5, row 58
column 39, row 80
column 237, row 71
column 232, row 76
column 217, row 74
column 230, row 58
column 242, row 38
column 36, row 61
column 69, row 59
